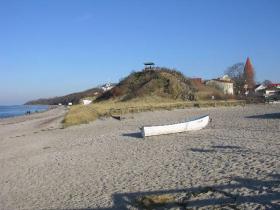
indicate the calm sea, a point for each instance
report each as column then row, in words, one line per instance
column 12, row 111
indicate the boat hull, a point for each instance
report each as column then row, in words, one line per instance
column 192, row 125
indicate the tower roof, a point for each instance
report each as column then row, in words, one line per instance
column 249, row 74
column 248, row 66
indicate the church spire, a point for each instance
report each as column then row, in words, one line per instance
column 249, row 74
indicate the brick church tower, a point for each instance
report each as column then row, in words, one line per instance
column 249, row 76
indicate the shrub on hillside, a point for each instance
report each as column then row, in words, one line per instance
column 158, row 81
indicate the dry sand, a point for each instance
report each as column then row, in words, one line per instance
column 234, row 162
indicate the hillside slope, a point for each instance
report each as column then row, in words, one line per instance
column 159, row 82
column 74, row 98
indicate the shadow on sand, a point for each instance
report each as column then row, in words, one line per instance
column 137, row 135
column 201, row 150
column 266, row 116
column 231, row 149
column 194, row 197
column 226, row 147
column 216, row 148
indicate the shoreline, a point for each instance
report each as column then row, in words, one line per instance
column 48, row 107
column 33, row 116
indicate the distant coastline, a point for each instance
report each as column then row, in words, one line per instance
column 20, row 110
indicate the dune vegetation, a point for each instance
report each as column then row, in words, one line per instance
column 80, row 114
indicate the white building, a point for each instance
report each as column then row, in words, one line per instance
column 107, row 86
column 86, row 101
column 268, row 90
column 260, row 88
column 223, row 83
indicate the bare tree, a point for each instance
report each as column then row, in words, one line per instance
column 236, row 73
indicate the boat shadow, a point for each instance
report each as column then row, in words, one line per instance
column 136, row 135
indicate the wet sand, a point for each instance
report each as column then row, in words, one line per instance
column 234, row 162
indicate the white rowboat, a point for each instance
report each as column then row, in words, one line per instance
column 192, row 125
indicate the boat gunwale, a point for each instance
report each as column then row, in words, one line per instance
column 191, row 120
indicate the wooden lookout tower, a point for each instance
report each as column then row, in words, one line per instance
column 149, row 65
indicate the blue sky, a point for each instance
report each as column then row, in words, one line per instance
column 54, row 47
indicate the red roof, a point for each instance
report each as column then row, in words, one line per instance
column 273, row 85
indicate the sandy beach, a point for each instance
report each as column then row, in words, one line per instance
column 234, row 162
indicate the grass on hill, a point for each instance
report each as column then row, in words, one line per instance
column 161, row 82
